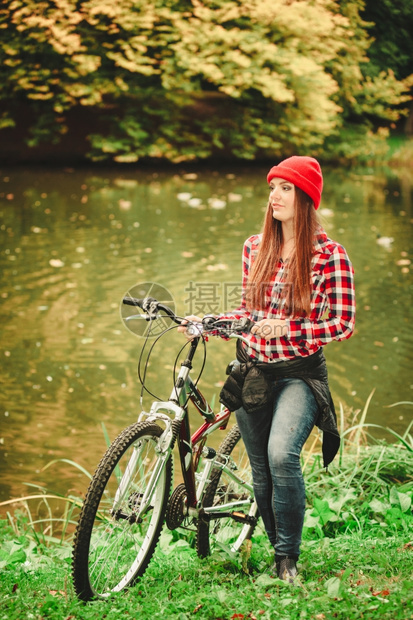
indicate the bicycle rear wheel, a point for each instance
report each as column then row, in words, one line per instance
column 226, row 532
column 112, row 547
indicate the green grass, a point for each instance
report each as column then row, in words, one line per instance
column 356, row 561
column 355, row 575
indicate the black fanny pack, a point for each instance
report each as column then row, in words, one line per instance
column 249, row 382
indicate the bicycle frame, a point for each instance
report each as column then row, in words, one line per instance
column 174, row 415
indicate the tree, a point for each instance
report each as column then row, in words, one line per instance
column 391, row 27
column 188, row 79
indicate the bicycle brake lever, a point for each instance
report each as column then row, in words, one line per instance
column 245, row 324
column 208, row 322
column 150, row 306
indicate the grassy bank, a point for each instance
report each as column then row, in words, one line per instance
column 400, row 152
column 356, row 562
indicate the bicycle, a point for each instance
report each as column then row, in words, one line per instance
column 130, row 495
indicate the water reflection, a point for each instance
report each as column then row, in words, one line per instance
column 73, row 242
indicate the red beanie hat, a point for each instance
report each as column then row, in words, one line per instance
column 304, row 172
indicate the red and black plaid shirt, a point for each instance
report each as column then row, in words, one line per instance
column 332, row 314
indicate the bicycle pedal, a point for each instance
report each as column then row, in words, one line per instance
column 241, row 517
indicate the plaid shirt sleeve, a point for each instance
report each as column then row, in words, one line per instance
column 338, row 324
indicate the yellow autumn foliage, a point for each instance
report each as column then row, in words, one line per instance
column 194, row 78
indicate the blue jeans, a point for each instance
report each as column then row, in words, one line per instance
column 274, row 441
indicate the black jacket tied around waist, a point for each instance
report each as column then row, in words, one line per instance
column 249, row 385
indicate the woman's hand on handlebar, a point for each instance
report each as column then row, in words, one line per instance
column 270, row 328
column 190, row 320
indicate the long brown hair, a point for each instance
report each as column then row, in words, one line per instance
column 297, row 277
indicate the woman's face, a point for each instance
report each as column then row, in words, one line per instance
column 282, row 200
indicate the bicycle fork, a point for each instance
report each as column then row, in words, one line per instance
column 163, row 449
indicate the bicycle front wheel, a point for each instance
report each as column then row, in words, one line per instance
column 225, row 493
column 115, row 539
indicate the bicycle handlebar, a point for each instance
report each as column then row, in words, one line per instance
column 152, row 307
column 225, row 326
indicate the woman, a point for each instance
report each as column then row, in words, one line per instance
column 298, row 290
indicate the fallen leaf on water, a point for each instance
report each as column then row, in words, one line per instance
column 184, row 196
column 217, row 267
column 56, row 262
column 216, row 203
column 234, row 197
column 385, row 242
column 194, row 202
column 327, row 212
column 126, row 183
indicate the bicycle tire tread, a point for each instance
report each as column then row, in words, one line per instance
column 92, row 500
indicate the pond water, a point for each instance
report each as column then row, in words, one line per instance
column 74, row 241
